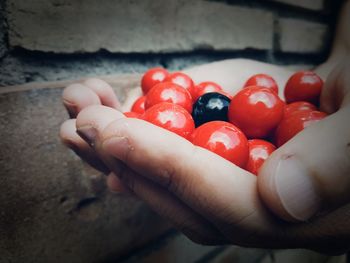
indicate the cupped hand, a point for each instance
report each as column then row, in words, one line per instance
column 300, row 198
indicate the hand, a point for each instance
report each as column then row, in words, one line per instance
column 208, row 198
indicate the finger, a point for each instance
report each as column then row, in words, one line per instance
column 104, row 91
column 115, row 185
column 221, row 73
column 131, row 97
column 216, row 189
column 93, row 119
column 329, row 233
column 336, row 91
column 90, row 122
column 71, row 139
column 161, row 201
column 77, row 97
column 309, row 174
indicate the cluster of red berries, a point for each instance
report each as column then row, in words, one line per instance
column 245, row 128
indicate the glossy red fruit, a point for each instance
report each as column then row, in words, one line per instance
column 139, row 105
column 298, row 106
column 256, row 111
column 169, row 92
column 180, row 79
column 224, row 139
column 171, row 117
column 131, row 114
column 152, row 77
column 295, row 123
column 259, row 151
column 262, row 80
column 303, row 86
column 204, row 87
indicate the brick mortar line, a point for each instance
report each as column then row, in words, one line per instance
column 21, row 51
column 62, row 83
column 283, row 9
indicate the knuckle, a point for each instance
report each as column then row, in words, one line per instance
column 86, row 112
column 166, row 178
column 91, row 114
column 117, row 127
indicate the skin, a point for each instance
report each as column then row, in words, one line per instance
column 208, row 198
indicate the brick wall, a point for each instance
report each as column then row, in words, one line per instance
column 58, row 39
column 54, row 208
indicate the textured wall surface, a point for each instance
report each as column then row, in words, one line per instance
column 136, row 26
column 53, row 207
column 59, row 39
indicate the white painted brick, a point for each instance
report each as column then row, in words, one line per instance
column 136, row 26
column 302, row 36
column 316, row 5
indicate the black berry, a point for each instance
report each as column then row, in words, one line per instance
column 211, row 106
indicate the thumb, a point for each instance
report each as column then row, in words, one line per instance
column 311, row 173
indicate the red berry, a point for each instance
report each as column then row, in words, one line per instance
column 139, row 105
column 298, row 106
column 224, row 139
column 259, row 151
column 152, row 77
column 181, row 79
column 169, row 92
column 132, row 114
column 171, row 117
column 295, row 123
column 204, row 87
column 262, row 80
column 303, row 86
column 256, row 111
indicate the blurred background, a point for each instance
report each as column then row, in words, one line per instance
column 44, row 40
column 56, row 209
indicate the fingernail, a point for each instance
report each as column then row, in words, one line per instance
column 71, row 108
column 88, row 133
column 117, row 146
column 113, row 185
column 296, row 189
